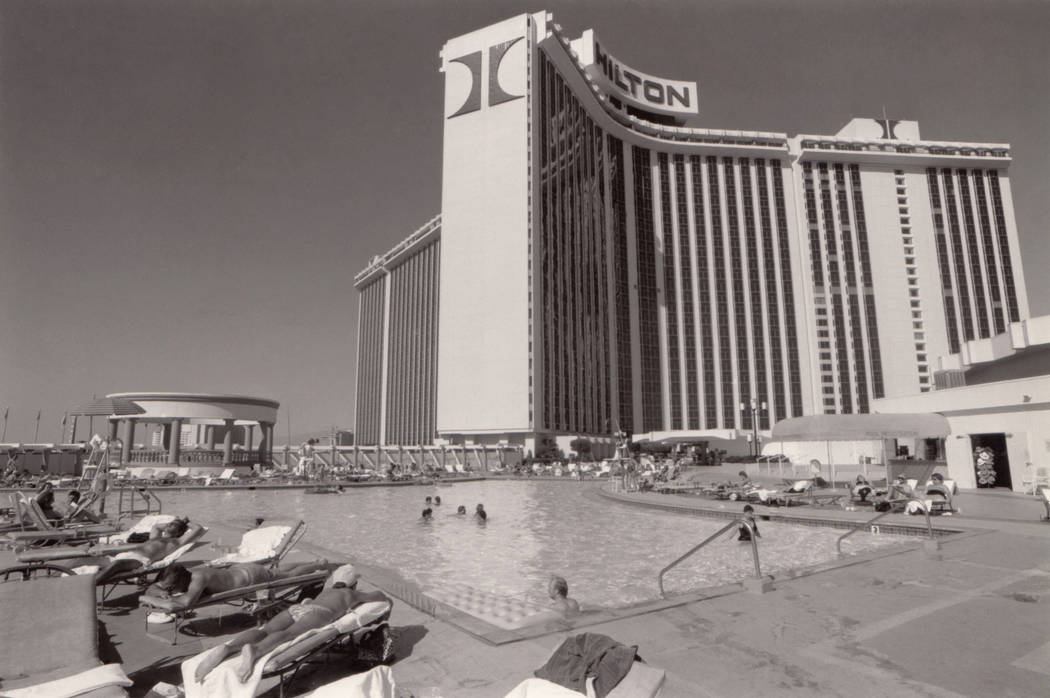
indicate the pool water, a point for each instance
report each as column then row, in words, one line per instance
column 610, row 553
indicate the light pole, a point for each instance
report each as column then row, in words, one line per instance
column 755, row 407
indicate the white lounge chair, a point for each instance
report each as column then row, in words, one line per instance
column 265, row 545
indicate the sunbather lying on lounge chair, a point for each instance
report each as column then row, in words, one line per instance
column 189, row 586
column 339, row 596
column 163, row 539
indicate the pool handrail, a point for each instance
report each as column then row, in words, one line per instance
column 867, row 524
column 735, row 522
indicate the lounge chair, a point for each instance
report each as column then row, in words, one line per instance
column 49, row 532
column 265, row 545
column 259, row 597
column 364, row 630
column 56, row 652
column 796, row 492
column 1044, row 492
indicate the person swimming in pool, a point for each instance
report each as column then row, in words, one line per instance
column 461, row 510
column 437, row 500
column 749, row 516
column 428, row 514
column 339, row 595
column 480, row 514
column 428, row 500
column 558, row 591
column 184, row 588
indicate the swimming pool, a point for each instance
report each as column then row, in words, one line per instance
column 609, row 553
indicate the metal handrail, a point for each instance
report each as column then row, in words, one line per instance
column 735, row 522
column 146, row 494
column 922, row 505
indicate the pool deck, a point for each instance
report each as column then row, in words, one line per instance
column 971, row 618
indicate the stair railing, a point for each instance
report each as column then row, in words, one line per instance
column 749, row 525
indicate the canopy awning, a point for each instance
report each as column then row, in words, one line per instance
column 860, row 427
column 107, row 407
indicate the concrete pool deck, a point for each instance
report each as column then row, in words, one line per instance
column 972, row 619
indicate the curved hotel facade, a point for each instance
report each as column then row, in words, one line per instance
column 598, row 266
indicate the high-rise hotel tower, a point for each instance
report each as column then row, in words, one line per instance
column 597, row 266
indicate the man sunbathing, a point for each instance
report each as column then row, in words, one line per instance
column 163, row 540
column 189, row 587
column 340, row 594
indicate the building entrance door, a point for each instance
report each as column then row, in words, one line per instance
column 998, row 468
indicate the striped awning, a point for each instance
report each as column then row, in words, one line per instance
column 107, row 407
column 861, row 427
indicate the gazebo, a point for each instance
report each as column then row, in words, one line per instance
column 219, row 415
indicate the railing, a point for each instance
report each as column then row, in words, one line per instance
column 869, row 525
column 736, row 522
column 192, row 456
column 127, row 494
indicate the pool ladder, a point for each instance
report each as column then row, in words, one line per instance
column 735, row 522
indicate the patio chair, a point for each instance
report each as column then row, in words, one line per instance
column 363, row 631
column 256, row 597
column 1044, row 492
column 265, row 545
column 48, row 532
column 56, row 653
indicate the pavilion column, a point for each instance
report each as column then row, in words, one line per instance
column 227, row 443
column 249, row 436
column 129, row 438
column 113, row 424
column 209, row 436
column 268, row 431
column 174, row 436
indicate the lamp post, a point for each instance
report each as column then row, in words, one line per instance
column 755, row 408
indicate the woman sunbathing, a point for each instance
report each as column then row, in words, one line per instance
column 339, row 596
column 189, row 587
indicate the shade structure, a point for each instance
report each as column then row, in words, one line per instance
column 861, row 427
column 107, row 407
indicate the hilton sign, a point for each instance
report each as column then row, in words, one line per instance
column 634, row 87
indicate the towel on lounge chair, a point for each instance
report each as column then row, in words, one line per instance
column 79, row 684
column 261, row 545
column 144, row 525
column 377, row 682
column 222, row 681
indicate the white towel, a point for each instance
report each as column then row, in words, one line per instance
column 377, row 682
column 98, row 677
column 222, row 681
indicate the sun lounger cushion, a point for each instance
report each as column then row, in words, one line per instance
column 542, row 688
column 257, row 544
column 358, row 617
column 54, row 620
column 144, row 525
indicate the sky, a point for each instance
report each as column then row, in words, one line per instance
column 188, row 187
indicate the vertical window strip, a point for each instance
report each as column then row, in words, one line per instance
column 943, row 263
column 688, row 303
column 623, row 317
column 956, row 247
column 778, row 407
column 1004, row 247
column 851, row 291
column 868, row 290
column 998, row 316
column 754, row 269
column 670, row 297
column 972, row 248
column 740, row 361
column 834, row 291
column 790, row 326
column 652, row 417
column 705, row 301
column 721, row 275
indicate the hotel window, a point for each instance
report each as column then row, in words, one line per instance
column 915, row 304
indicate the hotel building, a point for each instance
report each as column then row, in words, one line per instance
column 599, row 266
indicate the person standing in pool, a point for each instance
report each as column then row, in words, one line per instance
column 461, row 510
column 744, row 531
column 437, row 500
column 558, row 591
column 428, row 513
column 480, row 514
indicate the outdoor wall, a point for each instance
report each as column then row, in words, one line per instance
column 1020, row 409
column 483, row 345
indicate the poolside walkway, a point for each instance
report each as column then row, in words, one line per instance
column 970, row 619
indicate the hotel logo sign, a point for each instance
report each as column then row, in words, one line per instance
column 646, row 91
column 496, row 94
